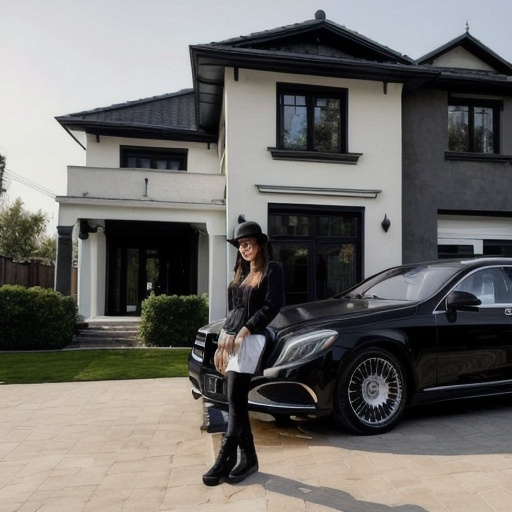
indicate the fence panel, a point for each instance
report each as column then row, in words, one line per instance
column 29, row 273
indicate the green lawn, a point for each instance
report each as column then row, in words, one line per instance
column 87, row 365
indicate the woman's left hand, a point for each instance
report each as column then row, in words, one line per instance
column 243, row 332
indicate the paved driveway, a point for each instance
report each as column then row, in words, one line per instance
column 138, row 446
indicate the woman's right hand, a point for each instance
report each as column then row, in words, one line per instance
column 227, row 343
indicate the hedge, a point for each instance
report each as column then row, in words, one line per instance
column 35, row 318
column 172, row 320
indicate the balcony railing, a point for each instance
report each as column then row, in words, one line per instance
column 146, row 185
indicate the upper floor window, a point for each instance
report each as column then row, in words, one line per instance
column 473, row 126
column 154, row 158
column 312, row 119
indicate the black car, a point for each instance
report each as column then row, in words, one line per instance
column 409, row 335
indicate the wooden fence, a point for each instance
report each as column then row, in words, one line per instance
column 30, row 273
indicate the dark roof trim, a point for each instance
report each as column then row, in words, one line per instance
column 304, row 64
column 474, row 46
column 132, row 130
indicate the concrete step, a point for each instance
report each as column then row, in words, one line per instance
column 107, row 334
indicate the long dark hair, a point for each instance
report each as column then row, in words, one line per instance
column 243, row 268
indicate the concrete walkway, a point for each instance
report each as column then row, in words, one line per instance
column 138, row 446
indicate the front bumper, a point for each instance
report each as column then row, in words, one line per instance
column 292, row 393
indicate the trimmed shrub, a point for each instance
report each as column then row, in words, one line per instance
column 35, row 318
column 172, row 320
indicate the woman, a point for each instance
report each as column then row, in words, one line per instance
column 255, row 296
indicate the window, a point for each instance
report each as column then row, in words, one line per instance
column 154, row 158
column 312, row 119
column 473, row 126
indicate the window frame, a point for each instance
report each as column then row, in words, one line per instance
column 472, row 104
column 310, row 153
column 153, row 154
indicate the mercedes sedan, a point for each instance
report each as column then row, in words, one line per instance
column 409, row 335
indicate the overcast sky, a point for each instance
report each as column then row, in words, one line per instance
column 63, row 56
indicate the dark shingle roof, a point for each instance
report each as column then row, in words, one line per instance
column 176, row 110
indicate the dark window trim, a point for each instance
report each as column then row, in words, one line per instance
column 477, row 157
column 152, row 153
column 314, row 156
column 472, row 103
column 310, row 90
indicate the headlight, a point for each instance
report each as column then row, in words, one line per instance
column 306, row 346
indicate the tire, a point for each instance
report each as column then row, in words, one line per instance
column 371, row 393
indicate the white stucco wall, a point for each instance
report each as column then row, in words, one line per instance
column 105, row 152
column 374, row 126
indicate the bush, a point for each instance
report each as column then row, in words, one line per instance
column 35, row 318
column 172, row 321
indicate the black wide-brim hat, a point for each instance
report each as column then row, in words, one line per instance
column 248, row 229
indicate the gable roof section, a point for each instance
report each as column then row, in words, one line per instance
column 316, row 47
column 169, row 116
column 318, row 37
column 473, row 46
column 493, row 77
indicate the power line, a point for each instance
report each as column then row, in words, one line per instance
column 11, row 175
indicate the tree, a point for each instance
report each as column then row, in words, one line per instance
column 22, row 233
column 2, row 168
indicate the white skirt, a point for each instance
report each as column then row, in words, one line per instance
column 248, row 357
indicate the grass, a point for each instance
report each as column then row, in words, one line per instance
column 89, row 365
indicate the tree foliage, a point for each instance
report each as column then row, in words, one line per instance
column 22, row 233
column 2, row 169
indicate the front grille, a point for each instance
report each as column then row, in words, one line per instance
column 287, row 393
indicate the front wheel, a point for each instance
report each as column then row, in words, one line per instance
column 371, row 393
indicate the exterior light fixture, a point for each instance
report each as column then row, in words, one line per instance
column 386, row 223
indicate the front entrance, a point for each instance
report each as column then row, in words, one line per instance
column 320, row 249
column 145, row 258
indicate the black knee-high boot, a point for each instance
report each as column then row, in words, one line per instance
column 226, row 461
column 248, row 463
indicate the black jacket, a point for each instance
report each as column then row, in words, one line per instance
column 256, row 307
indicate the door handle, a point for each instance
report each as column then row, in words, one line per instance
column 508, row 311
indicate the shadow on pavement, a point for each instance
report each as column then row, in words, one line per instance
column 324, row 496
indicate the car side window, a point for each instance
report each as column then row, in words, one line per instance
column 491, row 286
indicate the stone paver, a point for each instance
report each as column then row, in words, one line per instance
column 138, row 446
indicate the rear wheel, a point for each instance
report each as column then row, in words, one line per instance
column 371, row 393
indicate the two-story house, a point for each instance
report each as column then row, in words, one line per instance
column 351, row 156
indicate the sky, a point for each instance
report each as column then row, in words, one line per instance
column 59, row 57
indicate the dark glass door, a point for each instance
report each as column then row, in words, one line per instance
column 320, row 249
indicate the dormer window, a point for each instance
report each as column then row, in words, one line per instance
column 473, row 125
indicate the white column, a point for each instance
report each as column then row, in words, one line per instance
column 217, row 286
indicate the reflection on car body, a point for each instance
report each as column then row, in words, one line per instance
column 409, row 335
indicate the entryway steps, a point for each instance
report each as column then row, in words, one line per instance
column 107, row 333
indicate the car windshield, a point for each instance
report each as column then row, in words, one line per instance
column 407, row 284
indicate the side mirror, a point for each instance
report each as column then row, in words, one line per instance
column 462, row 300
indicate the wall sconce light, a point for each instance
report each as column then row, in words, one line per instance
column 386, row 223
column 85, row 228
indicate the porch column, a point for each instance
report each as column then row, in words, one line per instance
column 64, row 260
column 218, row 277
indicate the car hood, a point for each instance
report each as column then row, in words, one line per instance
column 342, row 309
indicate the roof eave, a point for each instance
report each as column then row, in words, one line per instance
column 134, row 131
column 215, row 59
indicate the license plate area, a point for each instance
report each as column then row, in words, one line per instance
column 214, row 384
